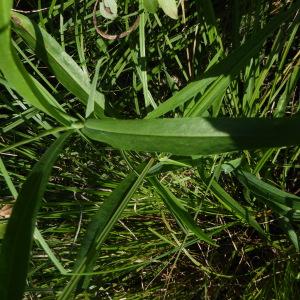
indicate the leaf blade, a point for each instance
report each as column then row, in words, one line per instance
column 192, row 136
column 15, row 250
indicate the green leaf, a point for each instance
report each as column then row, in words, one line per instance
column 233, row 206
column 177, row 209
column 3, row 226
column 267, row 191
column 151, row 6
column 92, row 97
column 16, row 246
column 192, row 136
column 289, row 229
column 61, row 64
column 17, row 76
column 169, row 7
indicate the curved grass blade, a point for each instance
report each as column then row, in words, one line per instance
column 224, row 72
column 62, row 65
column 15, row 250
column 17, row 76
column 37, row 235
column 177, row 209
column 102, row 223
column 267, row 191
column 191, row 136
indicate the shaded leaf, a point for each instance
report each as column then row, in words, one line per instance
column 101, row 224
column 221, row 75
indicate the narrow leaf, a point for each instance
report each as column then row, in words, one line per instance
column 102, row 223
column 61, row 64
column 191, row 136
column 267, row 191
column 177, row 209
column 16, row 246
column 224, row 72
column 92, row 97
column 233, row 206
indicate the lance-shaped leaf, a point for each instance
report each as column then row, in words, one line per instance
column 18, row 77
column 177, row 209
column 61, row 64
column 16, row 246
column 191, row 136
column 267, row 191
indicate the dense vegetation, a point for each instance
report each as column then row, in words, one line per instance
column 148, row 150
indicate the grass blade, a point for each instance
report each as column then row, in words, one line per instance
column 224, row 72
column 99, row 228
column 15, row 250
column 181, row 215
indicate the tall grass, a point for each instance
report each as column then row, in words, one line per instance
column 172, row 150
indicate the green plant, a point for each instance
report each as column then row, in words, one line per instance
column 227, row 104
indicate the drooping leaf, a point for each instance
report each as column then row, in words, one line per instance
column 16, row 246
column 191, row 136
column 267, row 191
